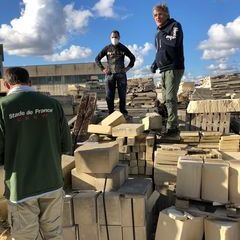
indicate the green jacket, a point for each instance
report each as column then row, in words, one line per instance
column 33, row 135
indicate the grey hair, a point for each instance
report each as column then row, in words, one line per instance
column 163, row 7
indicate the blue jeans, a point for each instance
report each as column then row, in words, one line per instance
column 119, row 80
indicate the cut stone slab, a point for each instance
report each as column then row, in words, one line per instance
column 70, row 233
column 152, row 121
column 85, row 207
column 114, row 119
column 214, row 106
column 140, row 233
column 91, row 181
column 215, row 175
column 110, row 200
column 68, row 219
column 100, row 129
column 234, row 182
column 189, row 176
column 220, row 229
column 89, row 232
column 96, row 157
column 115, row 232
column 68, row 163
column 127, row 130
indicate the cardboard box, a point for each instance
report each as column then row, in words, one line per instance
column 68, row 163
column 2, row 178
column 127, row 130
column 219, row 229
column 113, row 119
column 114, row 232
column 85, row 207
column 99, row 129
column 91, row 181
column 109, row 209
column 189, row 176
column 170, row 227
column 234, row 182
column 215, row 175
column 97, row 157
column 68, row 218
column 136, row 233
column 88, row 232
column 70, row 233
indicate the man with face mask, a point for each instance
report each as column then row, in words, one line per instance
column 170, row 60
column 115, row 71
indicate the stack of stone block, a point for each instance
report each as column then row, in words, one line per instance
column 165, row 162
column 125, row 214
column 229, row 143
column 98, row 168
column 136, row 149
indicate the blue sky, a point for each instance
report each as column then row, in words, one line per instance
column 61, row 31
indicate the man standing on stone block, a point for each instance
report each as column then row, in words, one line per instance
column 115, row 71
column 170, row 60
column 33, row 135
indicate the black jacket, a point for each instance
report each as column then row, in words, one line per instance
column 115, row 57
column 169, row 46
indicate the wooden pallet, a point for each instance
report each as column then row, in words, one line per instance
column 217, row 122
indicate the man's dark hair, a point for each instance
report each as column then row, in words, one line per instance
column 16, row 75
column 116, row 32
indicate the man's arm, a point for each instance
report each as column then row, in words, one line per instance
column 154, row 67
column 174, row 38
column 99, row 57
column 130, row 56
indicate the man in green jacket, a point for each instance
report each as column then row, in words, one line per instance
column 33, row 135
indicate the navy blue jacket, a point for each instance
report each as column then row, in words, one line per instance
column 169, row 46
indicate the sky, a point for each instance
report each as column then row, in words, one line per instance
column 40, row 32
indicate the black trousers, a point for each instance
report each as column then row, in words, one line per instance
column 118, row 80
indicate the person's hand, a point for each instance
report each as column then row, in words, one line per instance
column 106, row 71
column 126, row 69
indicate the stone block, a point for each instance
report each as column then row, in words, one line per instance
column 89, row 232
column 91, row 181
column 96, row 157
column 127, row 130
column 99, row 129
column 114, row 232
column 109, row 205
column 68, row 163
column 85, row 207
column 215, row 175
column 114, row 119
column 133, row 233
column 68, row 218
column 70, row 233
column 153, row 121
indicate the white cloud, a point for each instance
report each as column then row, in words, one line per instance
column 223, row 68
column 44, row 26
column 40, row 28
column 76, row 20
column 104, row 8
column 223, row 41
column 74, row 52
column 140, row 52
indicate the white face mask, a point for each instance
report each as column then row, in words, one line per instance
column 114, row 41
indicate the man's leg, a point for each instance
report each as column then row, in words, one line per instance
column 51, row 215
column 172, row 81
column 110, row 92
column 23, row 220
column 122, row 91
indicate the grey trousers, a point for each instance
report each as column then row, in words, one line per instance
column 43, row 214
column 170, row 84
